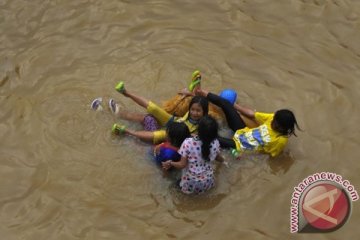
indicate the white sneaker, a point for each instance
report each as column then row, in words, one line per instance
column 113, row 106
column 96, row 104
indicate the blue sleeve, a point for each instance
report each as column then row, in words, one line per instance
column 167, row 154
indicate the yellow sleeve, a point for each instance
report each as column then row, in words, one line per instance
column 183, row 118
column 192, row 127
column 276, row 148
column 160, row 114
column 261, row 118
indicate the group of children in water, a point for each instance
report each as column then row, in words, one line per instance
column 191, row 142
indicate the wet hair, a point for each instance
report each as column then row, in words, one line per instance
column 177, row 132
column 202, row 101
column 207, row 132
column 285, row 122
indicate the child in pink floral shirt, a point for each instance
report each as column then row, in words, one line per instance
column 197, row 154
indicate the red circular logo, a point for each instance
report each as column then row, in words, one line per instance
column 326, row 207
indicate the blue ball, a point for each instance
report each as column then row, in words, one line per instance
column 229, row 94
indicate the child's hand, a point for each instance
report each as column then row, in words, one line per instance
column 185, row 92
column 157, row 149
column 201, row 92
column 166, row 165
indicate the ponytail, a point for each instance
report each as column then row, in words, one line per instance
column 286, row 122
column 207, row 132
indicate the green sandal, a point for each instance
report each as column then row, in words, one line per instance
column 195, row 80
column 118, row 129
column 120, row 87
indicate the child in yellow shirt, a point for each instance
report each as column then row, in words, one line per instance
column 271, row 136
column 198, row 108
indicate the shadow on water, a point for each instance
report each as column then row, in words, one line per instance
column 249, row 163
column 185, row 203
column 281, row 164
column 278, row 165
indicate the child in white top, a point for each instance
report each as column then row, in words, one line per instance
column 197, row 154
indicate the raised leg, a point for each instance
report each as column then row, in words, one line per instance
column 233, row 119
column 146, row 136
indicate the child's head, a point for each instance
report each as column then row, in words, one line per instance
column 198, row 107
column 284, row 122
column 207, row 132
column 177, row 132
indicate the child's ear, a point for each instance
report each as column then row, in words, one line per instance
column 274, row 124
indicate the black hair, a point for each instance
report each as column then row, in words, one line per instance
column 177, row 132
column 285, row 122
column 207, row 132
column 204, row 103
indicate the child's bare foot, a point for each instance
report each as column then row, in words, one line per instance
column 201, row 92
column 186, row 92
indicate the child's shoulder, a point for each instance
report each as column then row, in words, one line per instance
column 262, row 117
column 191, row 140
column 169, row 146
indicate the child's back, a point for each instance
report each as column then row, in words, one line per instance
column 200, row 151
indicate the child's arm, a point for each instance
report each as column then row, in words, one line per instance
column 248, row 112
column 219, row 158
column 179, row 165
column 157, row 149
column 186, row 92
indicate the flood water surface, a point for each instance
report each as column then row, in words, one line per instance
column 64, row 176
